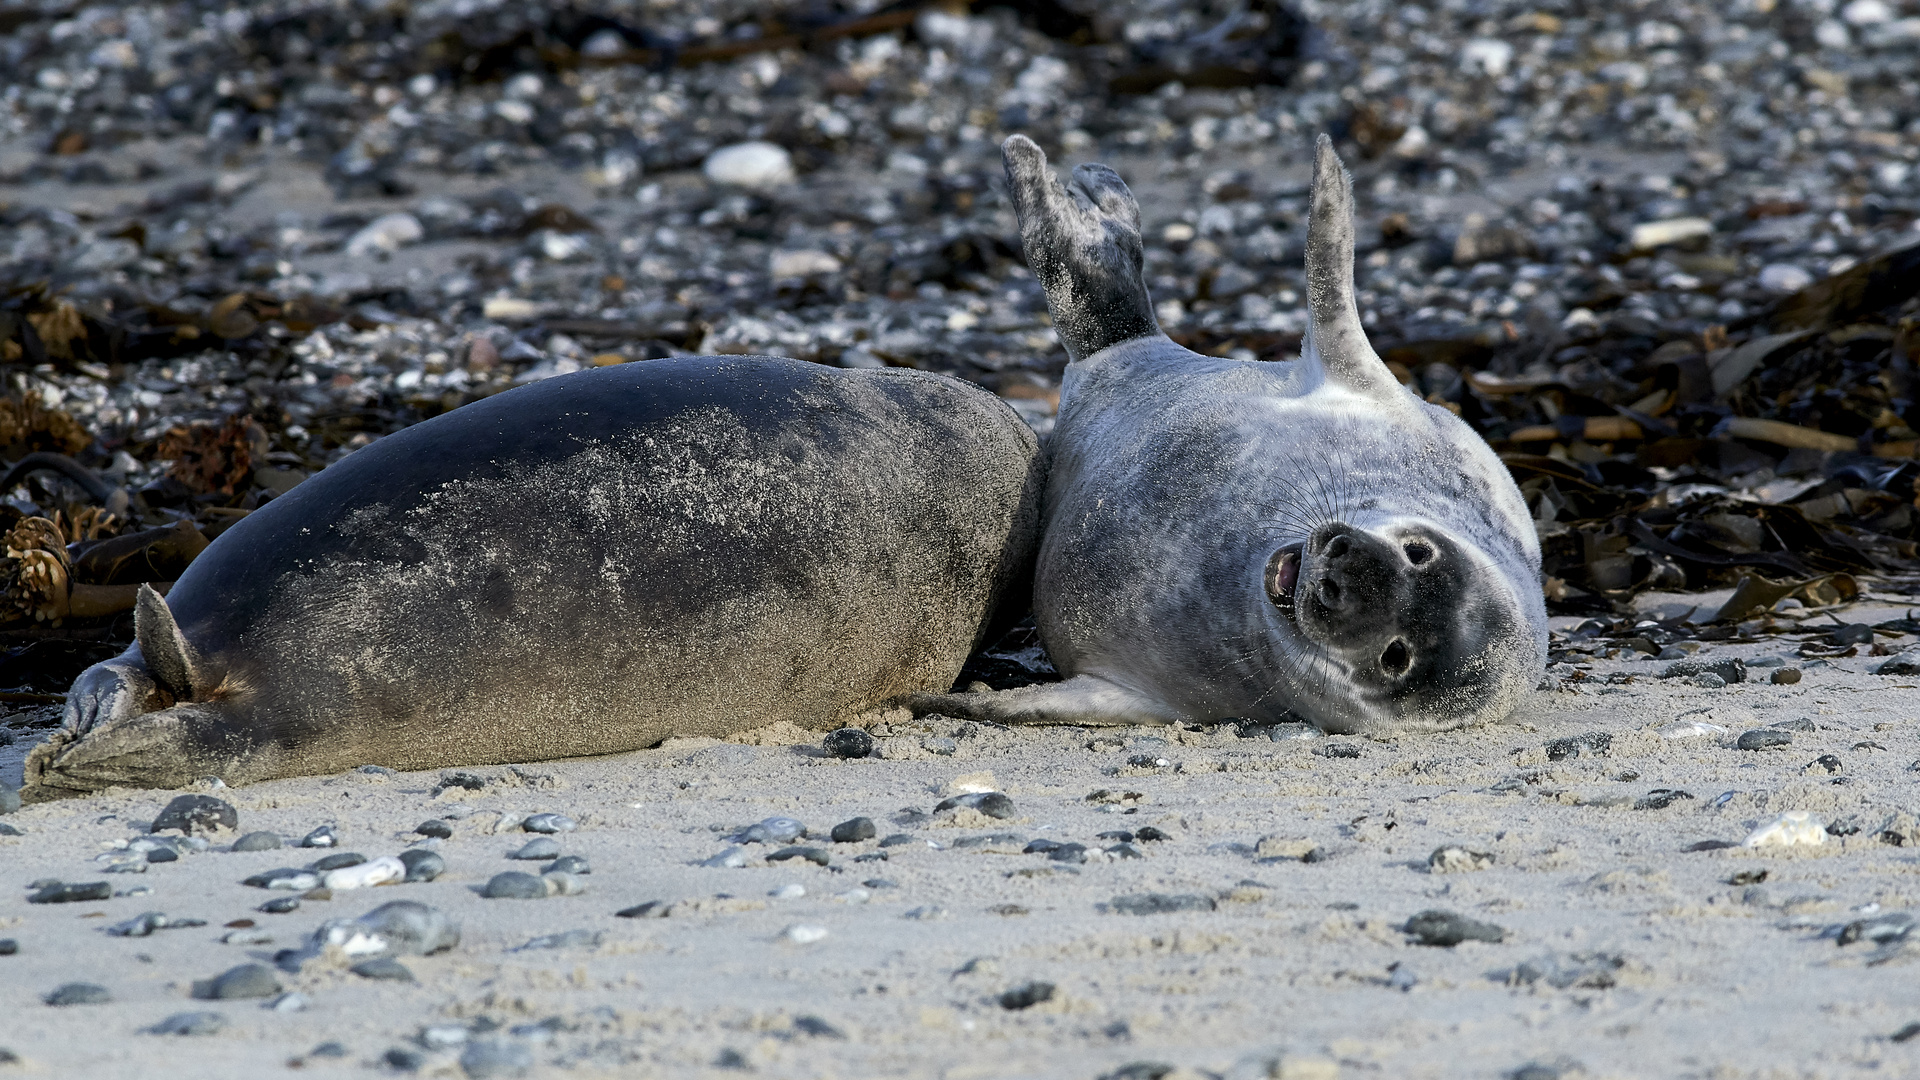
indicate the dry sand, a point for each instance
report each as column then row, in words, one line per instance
column 1300, row 970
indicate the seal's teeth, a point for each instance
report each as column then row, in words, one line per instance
column 1283, row 573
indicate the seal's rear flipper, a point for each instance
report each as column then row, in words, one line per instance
column 169, row 656
column 164, row 749
column 1336, row 340
column 1083, row 242
column 1084, row 699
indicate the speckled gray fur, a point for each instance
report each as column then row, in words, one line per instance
column 1175, row 478
column 582, row 566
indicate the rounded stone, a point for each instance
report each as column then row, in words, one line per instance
column 848, row 742
column 514, row 885
column 854, row 830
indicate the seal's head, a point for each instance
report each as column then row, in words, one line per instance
column 1417, row 625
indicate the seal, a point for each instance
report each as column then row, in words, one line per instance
column 1268, row 541
column 584, row 565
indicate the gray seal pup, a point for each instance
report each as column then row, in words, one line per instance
column 584, row 565
column 1269, row 541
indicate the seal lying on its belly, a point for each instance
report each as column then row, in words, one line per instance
column 585, row 565
column 1262, row 540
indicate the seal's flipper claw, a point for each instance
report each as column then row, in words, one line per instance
column 1084, row 246
column 1336, row 337
column 168, row 654
column 1083, row 699
column 111, row 690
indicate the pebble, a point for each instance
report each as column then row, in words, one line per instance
column 802, row 934
column 774, row 830
column 385, row 235
column 1161, row 903
column 757, row 165
column 1447, row 929
column 251, row 936
column 652, row 909
column 567, row 864
column 256, row 841
column 1826, row 763
column 383, row 968
column 731, row 859
column 1795, row 828
column 940, row 745
column 288, row 878
column 570, row 939
column 1763, row 739
column 514, row 885
column 435, row 828
column 9, row 946
column 848, row 742
column 1783, row 278
column 280, row 905
column 1289, row 731
column 380, row 871
column 561, row 883
column 994, row 804
column 549, row 823
column 57, row 892
column 1906, row 663
column 1026, row 995
column 1661, row 798
column 1453, row 859
column 291, row 1001
column 854, row 830
column 1149, row 833
column 147, row 922
column 899, row 839
column 1576, row 746
column 190, row 1023
column 324, row 836
column 245, row 981
column 1730, row 669
column 336, row 861
column 540, row 848
column 78, row 993
column 196, row 813
column 486, row 1059
column 1785, row 677
column 817, row 856
column 925, row 913
column 422, row 865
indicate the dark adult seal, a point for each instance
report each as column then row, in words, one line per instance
column 585, row 565
column 1263, row 540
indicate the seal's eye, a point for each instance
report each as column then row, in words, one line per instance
column 1418, row 551
column 1394, row 660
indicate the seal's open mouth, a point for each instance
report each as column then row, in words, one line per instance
column 1283, row 573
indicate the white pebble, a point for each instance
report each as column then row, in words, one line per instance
column 1794, row 828
column 1690, row 729
column 804, row 935
column 386, row 234
column 803, row 263
column 1784, row 278
column 1652, row 234
column 750, row 165
column 790, row 891
column 378, row 871
column 254, row 936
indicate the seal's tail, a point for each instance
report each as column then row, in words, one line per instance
column 1335, row 336
column 1082, row 241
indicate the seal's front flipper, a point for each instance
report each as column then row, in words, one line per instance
column 112, row 690
column 170, row 657
column 1084, row 699
column 1335, row 338
column 164, row 749
column 1083, row 242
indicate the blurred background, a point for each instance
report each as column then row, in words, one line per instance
column 1660, row 254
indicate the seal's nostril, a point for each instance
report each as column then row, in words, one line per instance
column 1330, row 593
column 1418, row 551
column 1394, row 660
column 1337, row 547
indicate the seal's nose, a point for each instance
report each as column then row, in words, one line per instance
column 1356, row 575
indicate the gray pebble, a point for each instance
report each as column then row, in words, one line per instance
column 1124, row 851
column 854, row 830
column 247, row 936
column 816, row 1027
column 1447, row 929
column 190, row 1023
column 1763, row 739
column 1661, row 798
column 8, row 946
column 817, row 856
column 1148, row 832
column 1785, row 677
column 1574, row 746
column 1026, row 995
column 435, row 828
column 549, row 823
column 539, row 848
column 78, row 993
column 385, row 967
column 774, row 830
column 486, row 1059
column 652, row 909
column 880, row 883
column 1907, row 663
column 514, row 885
column 257, row 841
column 337, row 861
column 731, row 859
column 1069, row 853
column 939, row 744
column 146, row 923
column 8, row 830
column 567, row 864
column 1341, row 750
column 57, row 892
column 291, row 879
column 324, row 836
column 994, row 804
column 245, row 981
column 1730, row 669
column 1708, row 680
column 402, row 1059
column 328, row 1050
column 898, row 839
column 291, row 1001
column 1160, row 903
column 571, row 939
column 196, row 813
column 848, row 742
column 280, row 905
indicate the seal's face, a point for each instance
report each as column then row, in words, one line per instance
column 1419, row 626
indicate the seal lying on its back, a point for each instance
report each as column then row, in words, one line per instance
column 581, row 566
column 1262, row 540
